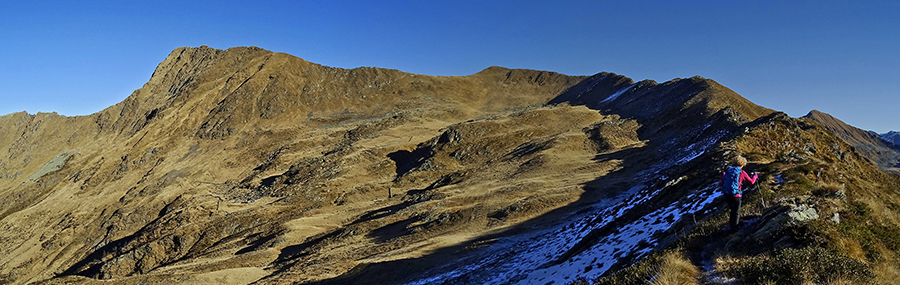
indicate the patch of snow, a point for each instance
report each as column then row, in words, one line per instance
column 515, row 259
column 519, row 261
column 699, row 148
column 635, row 239
column 617, row 94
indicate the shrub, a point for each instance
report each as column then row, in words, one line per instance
column 859, row 209
column 808, row 168
column 796, row 266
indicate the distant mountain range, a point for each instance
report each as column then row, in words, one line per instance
column 892, row 136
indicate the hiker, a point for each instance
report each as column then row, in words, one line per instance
column 731, row 182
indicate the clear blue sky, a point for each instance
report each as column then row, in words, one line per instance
column 840, row 57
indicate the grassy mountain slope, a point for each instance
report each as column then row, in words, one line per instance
column 246, row 166
column 183, row 169
column 883, row 154
column 823, row 214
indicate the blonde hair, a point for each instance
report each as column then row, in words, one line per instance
column 739, row 161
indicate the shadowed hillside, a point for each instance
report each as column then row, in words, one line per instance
column 823, row 213
column 892, row 137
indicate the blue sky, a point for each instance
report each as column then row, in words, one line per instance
column 840, row 57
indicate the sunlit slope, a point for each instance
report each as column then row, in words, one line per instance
column 243, row 165
column 201, row 136
column 884, row 154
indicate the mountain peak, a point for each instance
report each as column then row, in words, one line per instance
column 679, row 99
column 892, row 137
column 870, row 144
column 816, row 113
column 244, row 158
column 828, row 121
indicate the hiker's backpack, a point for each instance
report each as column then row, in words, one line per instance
column 732, row 180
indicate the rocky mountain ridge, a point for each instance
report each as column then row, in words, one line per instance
column 892, row 137
column 245, row 166
column 884, row 154
column 199, row 120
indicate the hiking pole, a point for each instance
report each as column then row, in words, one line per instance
column 761, row 198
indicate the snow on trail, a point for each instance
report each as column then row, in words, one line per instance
column 531, row 252
column 524, row 259
column 634, row 238
column 519, row 262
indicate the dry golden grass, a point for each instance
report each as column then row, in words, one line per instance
column 675, row 269
column 220, row 132
column 852, row 248
column 879, row 210
column 886, row 273
column 830, row 187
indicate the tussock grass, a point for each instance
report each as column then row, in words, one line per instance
column 852, row 248
column 675, row 269
column 886, row 273
column 827, row 189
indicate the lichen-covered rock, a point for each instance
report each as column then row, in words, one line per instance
column 782, row 216
column 802, row 214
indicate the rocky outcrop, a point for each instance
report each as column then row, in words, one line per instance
column 774, row 223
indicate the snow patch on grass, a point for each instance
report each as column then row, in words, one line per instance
column 617, row 94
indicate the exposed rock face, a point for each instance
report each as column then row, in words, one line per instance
column 801, row 213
